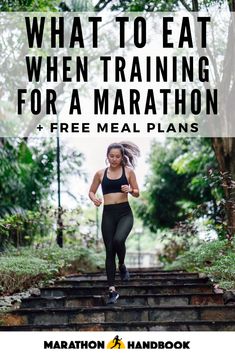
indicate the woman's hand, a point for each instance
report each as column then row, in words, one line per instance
column 97, row 202
column 126, row 188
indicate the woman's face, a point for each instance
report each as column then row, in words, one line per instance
column 114, row 157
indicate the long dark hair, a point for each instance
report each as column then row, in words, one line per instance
column 129, row 150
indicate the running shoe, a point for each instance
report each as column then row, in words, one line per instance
column 113, row 296
column 124, row 273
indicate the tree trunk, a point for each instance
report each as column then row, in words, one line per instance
column 224, row 149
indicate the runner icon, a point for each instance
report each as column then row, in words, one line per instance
column 116, row 339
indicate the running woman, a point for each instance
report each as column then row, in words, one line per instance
column 117, row 181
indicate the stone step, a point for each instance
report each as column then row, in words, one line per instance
column 153, row 300
column 127, row 289
column 121, row 314
column 141, row 271
column 203, row 325
column 135, row 275
column 139, row 299
column 134, row 282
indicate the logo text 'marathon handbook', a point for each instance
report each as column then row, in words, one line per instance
column 116, row 343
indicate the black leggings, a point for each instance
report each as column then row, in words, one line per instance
column 117, row 222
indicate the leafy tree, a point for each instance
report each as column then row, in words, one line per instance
column 45, row 5
column 137, row 5
column 163, row 188
column 27, row 173
column 177, row 184
column 155, row 5
column 29, row 5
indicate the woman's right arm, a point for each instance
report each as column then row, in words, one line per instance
column 94, row 186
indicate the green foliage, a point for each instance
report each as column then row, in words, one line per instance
column 23, row 228
column 20, row 269
column 176, row 241
column 197, row 159
column 163, row 188
column 178, row 183
column 27, row 173
column 56, row 256
column 215, row 258
column 38, row 227
column 29, row 5
column 18, row 273
column 46, row 5
column 137, row 5
column 157, row 5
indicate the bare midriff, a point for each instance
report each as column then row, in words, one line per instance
column 117, row 197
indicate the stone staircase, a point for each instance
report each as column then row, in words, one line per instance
column 153, row 300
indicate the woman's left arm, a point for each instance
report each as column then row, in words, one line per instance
column 133, row 184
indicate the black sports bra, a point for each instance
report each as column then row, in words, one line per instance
column 113, row 185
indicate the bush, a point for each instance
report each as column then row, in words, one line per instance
column 215, row 258
column 18, row 273
column 20, row 269
column 20, row 229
